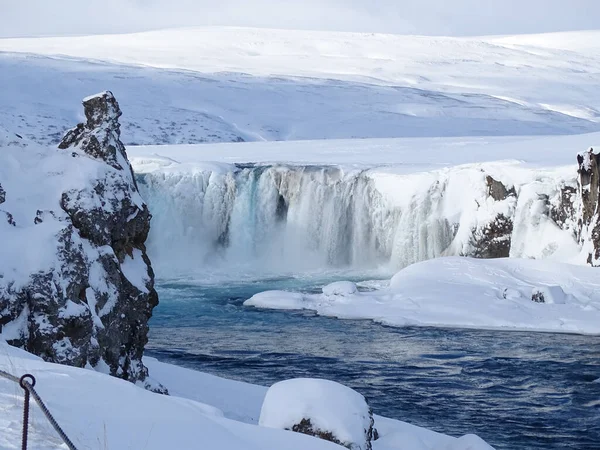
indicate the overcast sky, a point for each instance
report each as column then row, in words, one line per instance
column 434, row 17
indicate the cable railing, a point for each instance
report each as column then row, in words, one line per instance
column 27, row 383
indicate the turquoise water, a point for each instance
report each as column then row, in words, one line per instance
column 516, row 390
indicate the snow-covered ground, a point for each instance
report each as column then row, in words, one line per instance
column 217, row 84
column 99, row 411
column 467, row 293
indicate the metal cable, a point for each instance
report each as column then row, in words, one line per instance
column 28, row 387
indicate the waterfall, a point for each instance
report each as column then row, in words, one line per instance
column 285, row 219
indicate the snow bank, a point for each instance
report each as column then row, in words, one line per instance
column 469, row 293
column 97, row 410
column 319, row 407
column 340, row 288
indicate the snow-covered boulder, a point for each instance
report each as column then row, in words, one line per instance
column 341, row 288
column 76, row 285
column 320, row 408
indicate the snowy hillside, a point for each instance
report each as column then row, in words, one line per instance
column 217, row 84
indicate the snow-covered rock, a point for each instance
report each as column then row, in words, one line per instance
column 340, row 288
column 320, row 408
column 588, row 205
column 548, row 294
column 76, row 285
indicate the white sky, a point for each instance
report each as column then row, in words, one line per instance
column 441, row 17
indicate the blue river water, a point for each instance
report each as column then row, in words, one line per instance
column 516, row 390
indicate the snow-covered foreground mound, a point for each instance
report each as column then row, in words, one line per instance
column 98, row 411
column 228, row 84
column 511, row 294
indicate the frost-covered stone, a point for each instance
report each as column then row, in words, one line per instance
column 78, row 287
column 341, row 288
column 320, row 408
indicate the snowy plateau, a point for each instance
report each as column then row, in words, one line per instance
column 444, row 170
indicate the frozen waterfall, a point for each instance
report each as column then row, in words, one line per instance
column 279, row 218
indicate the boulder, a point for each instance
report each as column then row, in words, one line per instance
column 320, row 408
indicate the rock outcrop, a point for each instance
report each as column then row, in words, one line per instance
column 89, row 301
column 493, row 239
column 588, row 194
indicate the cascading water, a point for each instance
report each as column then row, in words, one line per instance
column 291, row 219
column 274, row 217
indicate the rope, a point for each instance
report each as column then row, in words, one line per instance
column 28, row 387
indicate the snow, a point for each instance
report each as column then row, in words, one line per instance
column 135, row 270
column 405, row 155
column 215, row 84
column 99, row 411
column 340, row 288
column 468, row 293
column 329, row 406
column 30, row 247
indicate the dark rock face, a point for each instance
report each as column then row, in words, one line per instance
column 538, row 297
column 306, row 427
column 100, row 136
column 497, row 190
column 93, row 306
column 493, row 240
column 564, row 211
column 588, row 193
